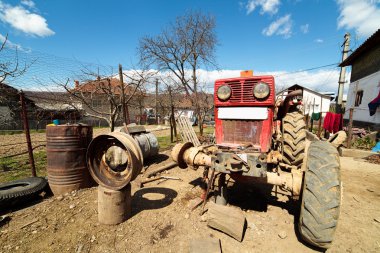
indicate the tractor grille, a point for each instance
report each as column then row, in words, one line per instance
column 241, row 131
column 242, row 91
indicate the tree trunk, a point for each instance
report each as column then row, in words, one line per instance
column 171, row 129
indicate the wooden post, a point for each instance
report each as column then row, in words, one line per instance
column 172, row 117
column 27, row 134
column 320, row 119
column 312, row 121
column 122, row 94
column 156, row 102
column 350, row 127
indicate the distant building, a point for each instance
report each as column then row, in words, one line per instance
column 364, row 85
column 312, row 101
column 42, row 108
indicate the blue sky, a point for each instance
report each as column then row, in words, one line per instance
column 269, row 36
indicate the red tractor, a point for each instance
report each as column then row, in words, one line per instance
column 261, row 139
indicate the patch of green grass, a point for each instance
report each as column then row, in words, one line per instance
column 12, row 132
column 164, row 142
column 18, row 167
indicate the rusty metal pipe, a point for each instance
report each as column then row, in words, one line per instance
column 183, row 153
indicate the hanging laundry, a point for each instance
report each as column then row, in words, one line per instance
column 373, row 105
column 316, row 116
column 333, row 122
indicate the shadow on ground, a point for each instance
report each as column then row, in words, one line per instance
column 152, row 198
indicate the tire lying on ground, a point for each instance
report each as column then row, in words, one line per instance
column 294, row 139
column 21, row 189
column 321, row 195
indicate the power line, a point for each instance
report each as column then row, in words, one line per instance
column 309, row 69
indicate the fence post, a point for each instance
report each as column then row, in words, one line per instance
column 27, row 134
column 349, row 139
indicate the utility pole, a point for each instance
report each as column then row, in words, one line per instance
column 27, row 134
column 156, row 101
column 122, row 93
column 342, row 76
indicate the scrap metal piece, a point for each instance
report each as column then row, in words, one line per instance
column 178, row 151
column 114, row 160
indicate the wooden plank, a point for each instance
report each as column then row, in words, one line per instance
column 226, row 219
column 187, row 131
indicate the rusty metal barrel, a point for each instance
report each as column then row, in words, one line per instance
column 148, row 144
column 66, row 157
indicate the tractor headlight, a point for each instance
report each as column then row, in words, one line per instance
column 261, row 90
column 224, row 92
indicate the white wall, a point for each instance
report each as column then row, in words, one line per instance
column 371, row 87
column 310, row 99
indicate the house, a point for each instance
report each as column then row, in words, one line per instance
column 96, row 96
column 10, row 108
column 182, row 105
column 42, row 108
column 50, row 105
column 364, row 87
column 312, row 101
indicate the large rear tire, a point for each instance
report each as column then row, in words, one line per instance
column 321, row 195
column 294, row 139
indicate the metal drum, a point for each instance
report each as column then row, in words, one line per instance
column 66, row 157
column 148, row 144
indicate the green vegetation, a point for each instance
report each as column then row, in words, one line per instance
column 18, row 167
column 164, row 142
column 364, row 143
column 12, row 132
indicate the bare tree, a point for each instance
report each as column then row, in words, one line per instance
column 182, row 49
column 9, row 68
column 169, row 99
column 102, row 97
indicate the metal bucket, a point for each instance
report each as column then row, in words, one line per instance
column 66, row 157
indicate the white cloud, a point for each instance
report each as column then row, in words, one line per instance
column 361, row 15
column 319, row 40
column 281, row 26
column 304, row 28
column 24, row 20
column 267, row 6
column 321, row 80
column 28, row 3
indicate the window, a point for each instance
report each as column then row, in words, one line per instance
column 358, row 97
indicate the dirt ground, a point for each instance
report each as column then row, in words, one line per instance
column 162, row 221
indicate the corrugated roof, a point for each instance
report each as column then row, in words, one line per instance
column 297, row 86
column 367, row 45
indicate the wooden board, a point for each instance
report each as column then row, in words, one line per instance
column 187, row 131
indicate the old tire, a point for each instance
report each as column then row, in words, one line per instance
column 20, row 189
column 321, row 195
column 294, row 139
